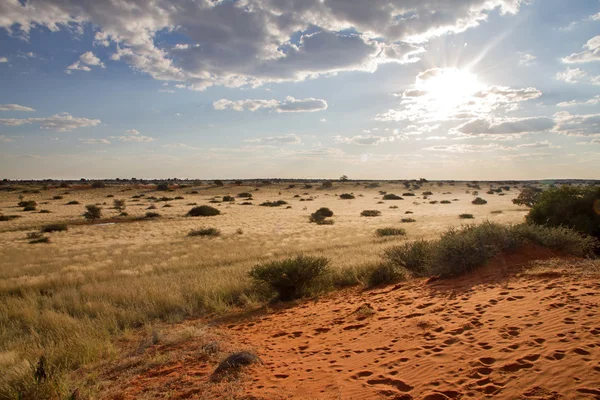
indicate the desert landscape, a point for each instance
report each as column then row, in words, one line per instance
column 145, row 300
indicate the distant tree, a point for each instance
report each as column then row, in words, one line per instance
column 163, row 186
column 327, row 184
column 218, row 182
column 93, row 212
column 98, row 185
column 528, row 197
column 344, row 178
column 119, row 205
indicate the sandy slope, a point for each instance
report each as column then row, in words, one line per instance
column 499, row 333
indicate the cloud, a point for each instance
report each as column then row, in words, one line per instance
column 593, row 141
column 15, row 107
column 285, row 139
column 593, row 101
column 85, row 60
column 525, row 59
column 528, row 156
column 577, row 125
column 571, row 75
column 252, row 42
column 178, row 146
column 290, row 104
column 591, row 52
column 62, row 122
column 133, row 138
column 467, row 148
column 132, row 132
column 95, row 141
column 538, row 145
column 363, row 140
column 3, row 60
column 505, row 126
column 5, row 139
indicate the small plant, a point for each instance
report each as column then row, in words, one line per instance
column 413, row 256
column 45, row 211
column 496, row 212
column 408, row 194
column 179, row 198
column 34, row 235
column 218, row 182
column 29, row 207
column 391, row 196
column 466, row 216
column 203, row 211
column 347, row 196
column 244, row 195
column 228, row 198
column 290, row 278
column 319, row 216
column 408, row 220
column 8, row 217
column 163, row 186
column 479, row 201
column 152, row 214
column 109, row 196
column 98, row 185
column 167, row 206
column 445, row 202
column 239, row 231
column 205, row 232
column 42, row 239
column 370, row 213
column 274, row 203
column 390, row 232
column 394, row 207
column 92, row 213
column 327, row 185
column 73, row 203
column 54, row 228
column 27, row 203
column 152, row 207
column 427, row 193
column 246, row 203
column 119, row 205
column 57, row 198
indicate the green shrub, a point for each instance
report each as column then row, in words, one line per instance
column 54, row 228
column 72, row 203
column 479, row 201
column 228, row 198
column 347, row 196
column 319, row 216
column 203, row 211
column 92, row 213
column 390, row 232
column 408, row 194
column 274, row 203
column 527, row 197
column 34, row 235
column 8, row 217
column 385, row 273
column 391, row 196
column 370, row 213
column 412, row 256
column 218, row 182
column 574, row 207
column 163, row 186
column 465, row 216
column 27, row 203
column 98, row 185
column 244, row 195
column 290, row 278
column 152, row 214
column 560, row 239
column 408, row 220
column 45, row 211
column 427, row 193
column 205, row 232
column 496, row 212
column 246, row 203
column 445, row 202
column 29, row 208
column 57, row 198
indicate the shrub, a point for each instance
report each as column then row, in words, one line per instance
column 108, row 196
column 412, row 256
column 391, row 196
column 496, row 212
column 370, row 213
column 92, row 212
column 45, row 211
column 347, row 196
column 9, row 217
column 29, row 208
column 290, row 278
column 244, row 195
column 319, row 216
column 152, row 207
column 327, row 185
column 385, row 273
column 34, row 235
column 167, row 206
column 119, row 205
column 163, row 186
column 408, row 212
column 152, row 214
column 433, row 202
column 307, row 186
column 205, row 232
column 273, row 203
column 408, row 194
column 428, row 193
column 228, row 198
column 40, row 240
column 479, row 201
column 527, row 197
column 390, row 232
column 445, row 202
column 218, row 182
column 179, row 198
column 203, row 211
column 246, row 203
column 27, row 203
column 573, row 207
column 98, row 185
column 57, row 198
column 407, row 220
column 54, row 228
column 72, row 203
column 465, row 216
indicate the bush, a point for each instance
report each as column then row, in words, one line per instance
column 465, row 216
column 390, row 232
column 72, row 203
column 574, row 207
column 291, row 278
column 246, row 203
column 370, row 213
column 412, row 256
column 319, row 216
column 445, row 202
column 347, row 196
column 428, row 193
column 228, row 198
column 119, row 205
column 93, row 212
column 45, row 211
column 392, row 196
column 34, row 235
column 479, row 201
column 29, row 208
column 244, row 195
column 98, row 185
column 40, row 240
column 8, row 217
column 273, row 203
column 163, row 186
column 327, row 185
column 385, row 273
column 408, row 194
column 218, row 182
column 54, row 228
column 57, row 198
column 205, row 232
column 203, row 211
column 27, row 203
column 152, row 214
column 408, row 220
column 527, row 197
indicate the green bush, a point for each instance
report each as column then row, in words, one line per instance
column 391, row 196
column 390, row 232
column 319, row 216
column 72, row 203
column 228, row 198
column 408, row 220
column 163, row 186
column 445, row 202
column 203, row 211
column 479, row 201
column 385, row 273
column 205, row 232
column 27, row 203
column 408, row 194
column 152, row 214
column 347, row 196
column 29, row 208
column 370, row 213
column 54, row 228
column 427, row 193
column 244, row 195
column 57, row 197
column 290, row 278
column 98, row 185
column 93, row 212
column 412, row 256
column 465, row 216
column 274, row 203
column 574, row 207
column 8, row 217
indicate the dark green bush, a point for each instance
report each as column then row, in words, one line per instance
column 274, row 203
column 290, row 278
column 54, row 228
column 57, row 197
column 408, row 194
column 98, row 185
column 93, row 212
column 465, row 216
column 228, row 198
column 205, row 232
column 72, row 203
column 479, row 201
column 244, row 195
column 412, row 256
column 390, row 232
column 319, row 216
column 347, row 196
column 385, row 273
column 391, row 196
column 408, row 220
column 152, row 214
column 427, row 193
column 45, row 211
column 27, row 203
column 445, row 202
column 370, row 213
column 203, row 211
column 29, row 208
column 8, row 217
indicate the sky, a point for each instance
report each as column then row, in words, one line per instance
column 378, row 89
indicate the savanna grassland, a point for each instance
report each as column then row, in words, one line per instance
column 79, row 299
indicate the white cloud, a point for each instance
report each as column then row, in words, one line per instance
column 252, row 42
column 525, row 59
column 285, row 139
column 467, row 148
column 132, row 132
column 505, row 126
column 95, row 141
column 591, row 52
column 3, row 60
column 15, row 107
column 436, row 138
column 593, row 101
column 577, row 125
column 178, row 146
column 59, row 122
column 363, row 140
column 85, row 60
column 290, row 104
column 538, row 145
column 571, row 75
column 5, row 139
column 133, row 138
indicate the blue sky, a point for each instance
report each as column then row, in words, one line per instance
column 386, row 89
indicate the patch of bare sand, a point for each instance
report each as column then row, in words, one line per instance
column 497, row 333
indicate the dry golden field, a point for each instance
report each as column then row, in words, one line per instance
column 70, row 300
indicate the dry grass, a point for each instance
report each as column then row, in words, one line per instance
column 70, row 298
